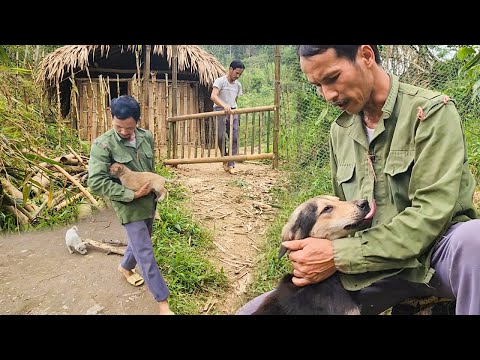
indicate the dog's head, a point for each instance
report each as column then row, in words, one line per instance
column 117, row 169
column 327, row 217
column 81, row 248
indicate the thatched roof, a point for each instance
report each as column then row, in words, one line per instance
column 70, row 58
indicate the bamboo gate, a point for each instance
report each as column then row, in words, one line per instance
column 194, row 137
column 198, row 133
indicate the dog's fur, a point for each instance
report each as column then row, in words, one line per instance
column 134, row 180
column 322, row 217
column 73, row 241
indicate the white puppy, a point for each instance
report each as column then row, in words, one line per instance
column 73, row 241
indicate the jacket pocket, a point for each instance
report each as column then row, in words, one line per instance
column 122, row 158
column 345, row 179
column 398, row 169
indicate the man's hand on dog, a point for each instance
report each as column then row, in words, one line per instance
column 312, row 260
column 144, row 190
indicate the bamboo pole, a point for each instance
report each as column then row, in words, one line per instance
column 230, row 136
column 59, row 116
column 220, row 113
column 246, row 132
column 174, row 99
column 276, row 120
column 252, row 140
column 175, row 162
column 167, row 124
column 17, row 206
column 268, row 131
column 77, row 156
column 21, row 219
column 215, row 123
column 146, row 94
column 183, row 124
column 68, row 201
column 260, row 117
column 156, row 135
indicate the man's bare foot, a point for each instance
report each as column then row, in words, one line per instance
column 125, row 272
column 164, row 309
column 132, row 277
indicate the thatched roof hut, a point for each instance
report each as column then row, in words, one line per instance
column 98, row 73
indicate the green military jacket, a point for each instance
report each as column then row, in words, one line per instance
column 109, row 148
column 416, row 169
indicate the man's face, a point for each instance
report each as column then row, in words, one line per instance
column 124, row 128
column 235, row 74
column 342, row 83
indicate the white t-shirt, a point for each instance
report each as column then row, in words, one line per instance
column 228, row 92
column 369, row 133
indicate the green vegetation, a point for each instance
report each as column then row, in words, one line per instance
column 181, row 246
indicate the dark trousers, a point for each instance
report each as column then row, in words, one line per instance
column 140, row 250
column 223, row 130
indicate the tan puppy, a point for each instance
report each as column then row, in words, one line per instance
column 134, row 180
column 323, row 217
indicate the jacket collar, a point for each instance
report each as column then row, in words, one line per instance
column 139, row 135
column 354, row 122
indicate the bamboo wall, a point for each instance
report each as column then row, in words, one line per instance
column 94, row 106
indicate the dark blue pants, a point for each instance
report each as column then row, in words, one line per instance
column 140, row 250
column 223, row 129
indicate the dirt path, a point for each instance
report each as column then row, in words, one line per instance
column 39, row 276
column 232, row 206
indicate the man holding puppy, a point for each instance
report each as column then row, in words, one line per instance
column 401, row 147
column 132, row 146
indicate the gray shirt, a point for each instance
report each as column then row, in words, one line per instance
column 228, row 92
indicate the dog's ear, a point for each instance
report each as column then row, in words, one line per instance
column 301, row 226
column 287, row 235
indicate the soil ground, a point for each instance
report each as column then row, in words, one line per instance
column 39, row 276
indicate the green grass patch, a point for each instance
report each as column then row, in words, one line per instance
column 181, row 249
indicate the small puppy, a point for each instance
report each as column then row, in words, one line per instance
column 134, row 180
column 73, row 241
column 322, row 217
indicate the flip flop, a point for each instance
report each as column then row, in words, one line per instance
column 135, row 279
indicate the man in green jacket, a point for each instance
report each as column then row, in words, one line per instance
column 132, row 146
column 403, row 148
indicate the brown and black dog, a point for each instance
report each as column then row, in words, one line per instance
column 324, row 217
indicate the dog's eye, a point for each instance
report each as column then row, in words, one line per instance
column 327, row 209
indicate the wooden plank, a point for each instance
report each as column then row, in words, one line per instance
column 218, row 159
column 260, row 132
column 109, row 248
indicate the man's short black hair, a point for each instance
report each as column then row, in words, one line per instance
column 125, row 106
column 237, row 64
column 345, row 51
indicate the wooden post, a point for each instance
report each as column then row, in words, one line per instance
column 167, row 123
column 174, row 99
column 276, row 118
column 145, row 92
column 59, row 116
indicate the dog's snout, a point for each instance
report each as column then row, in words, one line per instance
column 362, row 204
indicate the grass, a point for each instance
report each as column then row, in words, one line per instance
column 181, row 249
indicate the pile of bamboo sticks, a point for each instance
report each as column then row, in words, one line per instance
column 38, row 193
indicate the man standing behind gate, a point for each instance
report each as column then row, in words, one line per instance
column 226, row 90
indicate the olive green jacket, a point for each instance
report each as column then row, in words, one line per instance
column 109, row 148
column 421, row 183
